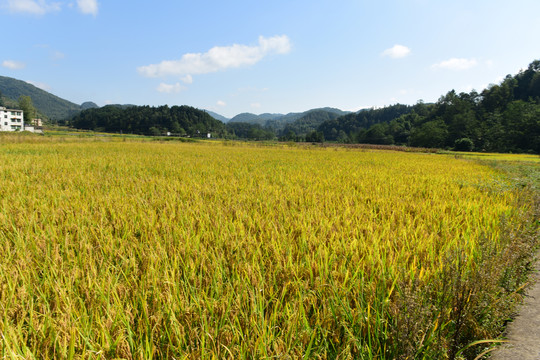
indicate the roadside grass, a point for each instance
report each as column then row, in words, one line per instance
column 519, row 173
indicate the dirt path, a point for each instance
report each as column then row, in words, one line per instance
column 524, row 332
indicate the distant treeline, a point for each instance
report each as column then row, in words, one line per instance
column 146, row 120
column 244, row 130
column 502, row 118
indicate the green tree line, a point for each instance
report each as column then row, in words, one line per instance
column 177, row 120
column 146, row 120
column 243, row 130
column 502, row 118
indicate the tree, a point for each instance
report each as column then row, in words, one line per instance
column 431, row 134
column 522, row 119
column 342, row 137
column 182, row 120
column 154, row 131
column 464, row 144
column 289, row 136
column 1, row 100
column 315, row 136
column 377, row 135
column 25, row 103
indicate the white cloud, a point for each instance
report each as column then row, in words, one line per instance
column 41, row 7
column 218, row 58
column 13, row 65
column 188, row 79
column 89, row 7
column 256, row 105
column 455, row 64
column 397, row 52
column 221, row 103
column 36, row 7
column 170, row 88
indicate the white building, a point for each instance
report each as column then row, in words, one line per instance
column 11, row 120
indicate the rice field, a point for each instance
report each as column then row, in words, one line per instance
column 533, row 158
column 149, row 250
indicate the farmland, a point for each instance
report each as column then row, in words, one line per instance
column 137, row 250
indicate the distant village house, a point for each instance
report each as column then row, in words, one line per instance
column 11, row 120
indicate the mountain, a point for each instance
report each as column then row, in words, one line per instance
column 353, row 122
column 309, row 122
column 217, row 116
column 47, row 104
column 333, row 111
column 292, row 126
column 255, row 119
column 277, row 122
column 88, row 105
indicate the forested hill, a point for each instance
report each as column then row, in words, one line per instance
column 217, row 116
column 351, row 124
column 306, row 124
column 277, row 122
column 290, row 127
column 309, row 117
column 146, row 120
column 52, row 106
column 502, row 118
column 254, row 119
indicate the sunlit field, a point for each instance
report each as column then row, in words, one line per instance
column 501, row 157
column 140, row 250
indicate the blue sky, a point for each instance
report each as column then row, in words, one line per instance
column 265, row 56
